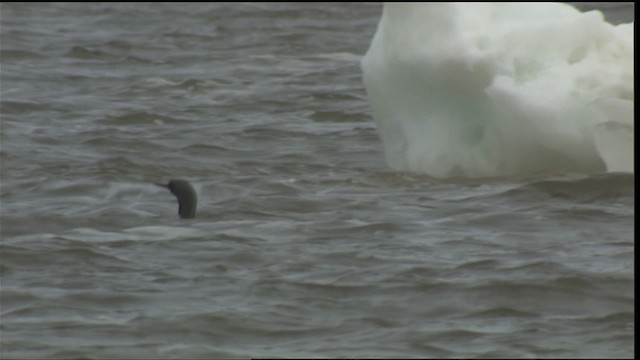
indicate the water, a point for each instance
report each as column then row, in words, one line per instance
column 306, row 244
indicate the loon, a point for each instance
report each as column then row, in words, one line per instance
column 186, row 195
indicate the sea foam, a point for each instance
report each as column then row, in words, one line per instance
column 498, row 89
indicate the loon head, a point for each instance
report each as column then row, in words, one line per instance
column 186, row 195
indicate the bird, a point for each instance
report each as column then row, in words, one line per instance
column 186, row 195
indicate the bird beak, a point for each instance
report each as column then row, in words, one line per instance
column 166, row 186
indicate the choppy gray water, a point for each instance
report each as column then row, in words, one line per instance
column 305, row 243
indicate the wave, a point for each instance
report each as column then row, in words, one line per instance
column 482, row 90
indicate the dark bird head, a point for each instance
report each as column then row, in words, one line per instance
column 186, row 195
